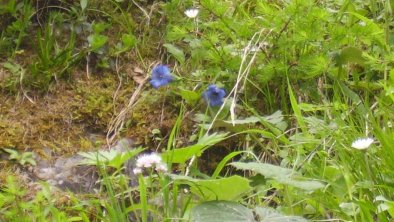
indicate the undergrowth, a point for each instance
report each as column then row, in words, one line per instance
column 250, row 110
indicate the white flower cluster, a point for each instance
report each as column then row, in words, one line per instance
column 147, row 161
column 362, row 143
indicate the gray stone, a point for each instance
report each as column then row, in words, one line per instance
column 68, row 173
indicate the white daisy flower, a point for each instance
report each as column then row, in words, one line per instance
column 192, row 13
column 362, row 143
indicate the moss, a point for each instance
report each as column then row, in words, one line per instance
column 10, row 133
column 58, row 120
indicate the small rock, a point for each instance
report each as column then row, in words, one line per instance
column 68, row 173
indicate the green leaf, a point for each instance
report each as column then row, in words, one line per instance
column 14, row 155
column 224, row 161
column 265, row 169
column 83, row 3
column 27, row 157
column 221, row 211
column 248, row 120
column 13, row 67
column 307, row 107
column 209, row 140
column 228, row 188
column 270, row 215
column 374, row 30
column 176, row 52
column 111, row 158
column 275, row 119
column 129, row 40
column 385, row 205
column 191, row 97
column 99, row 27
column 181, row 155
column 296, row 109
column 280, row 174
column 96, row 41
column 351, row 55
column 95, row 158
column 354, row 97
column 118, row 161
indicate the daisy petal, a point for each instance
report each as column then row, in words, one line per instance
column 362, row 143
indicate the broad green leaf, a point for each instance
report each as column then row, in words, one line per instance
column 276, row 118
column 280, row 174
column 221, row 211
column 265, row 169
column 270, row 215
column 212, row 139
column 228, row 188
column 304, row 184
column 176, row 52
column 191, row 97
column 181, row 155
column 248, row 120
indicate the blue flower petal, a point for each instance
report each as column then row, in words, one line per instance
column 214, row 95
column 156, row 83
column 161, row 76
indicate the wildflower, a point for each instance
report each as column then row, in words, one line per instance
column 161, row 76
column 137, row 171
column 214, row 95
column 161, row 167
column 362, row 143
column 192, row 13
column 148, row 160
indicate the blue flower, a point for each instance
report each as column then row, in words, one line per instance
column 161, row 76
column 214, row 95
